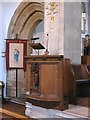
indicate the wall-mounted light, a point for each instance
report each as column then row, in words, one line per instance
column 83, row 23
column 83, row 19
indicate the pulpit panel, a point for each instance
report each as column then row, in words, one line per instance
column 49, row 79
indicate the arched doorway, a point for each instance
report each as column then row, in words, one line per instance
column 24, row 21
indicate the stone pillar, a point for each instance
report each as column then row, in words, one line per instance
column 63, row 26
column 72, row 31
column 89, row 18
column 54, row 27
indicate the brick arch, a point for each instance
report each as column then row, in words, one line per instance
column 26, row 17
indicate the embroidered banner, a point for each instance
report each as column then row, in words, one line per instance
column 16, row 49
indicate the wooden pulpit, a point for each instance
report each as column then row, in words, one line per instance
column 48, row 81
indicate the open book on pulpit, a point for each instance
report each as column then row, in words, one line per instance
column 37, row 46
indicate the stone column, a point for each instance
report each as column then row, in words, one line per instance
column 63, row 26
column 89, row 18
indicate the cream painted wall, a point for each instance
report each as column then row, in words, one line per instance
column 6, row 11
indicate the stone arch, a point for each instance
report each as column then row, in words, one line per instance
column 23, row 22
column 25, row 19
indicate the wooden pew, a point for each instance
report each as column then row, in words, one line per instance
column 70, row 83
column 88, row 67
column 82, row 78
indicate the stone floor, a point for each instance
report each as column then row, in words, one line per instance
column 73, row 112
column 13, row 108
column 78, row 110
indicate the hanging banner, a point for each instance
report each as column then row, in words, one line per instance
column 16, row 49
